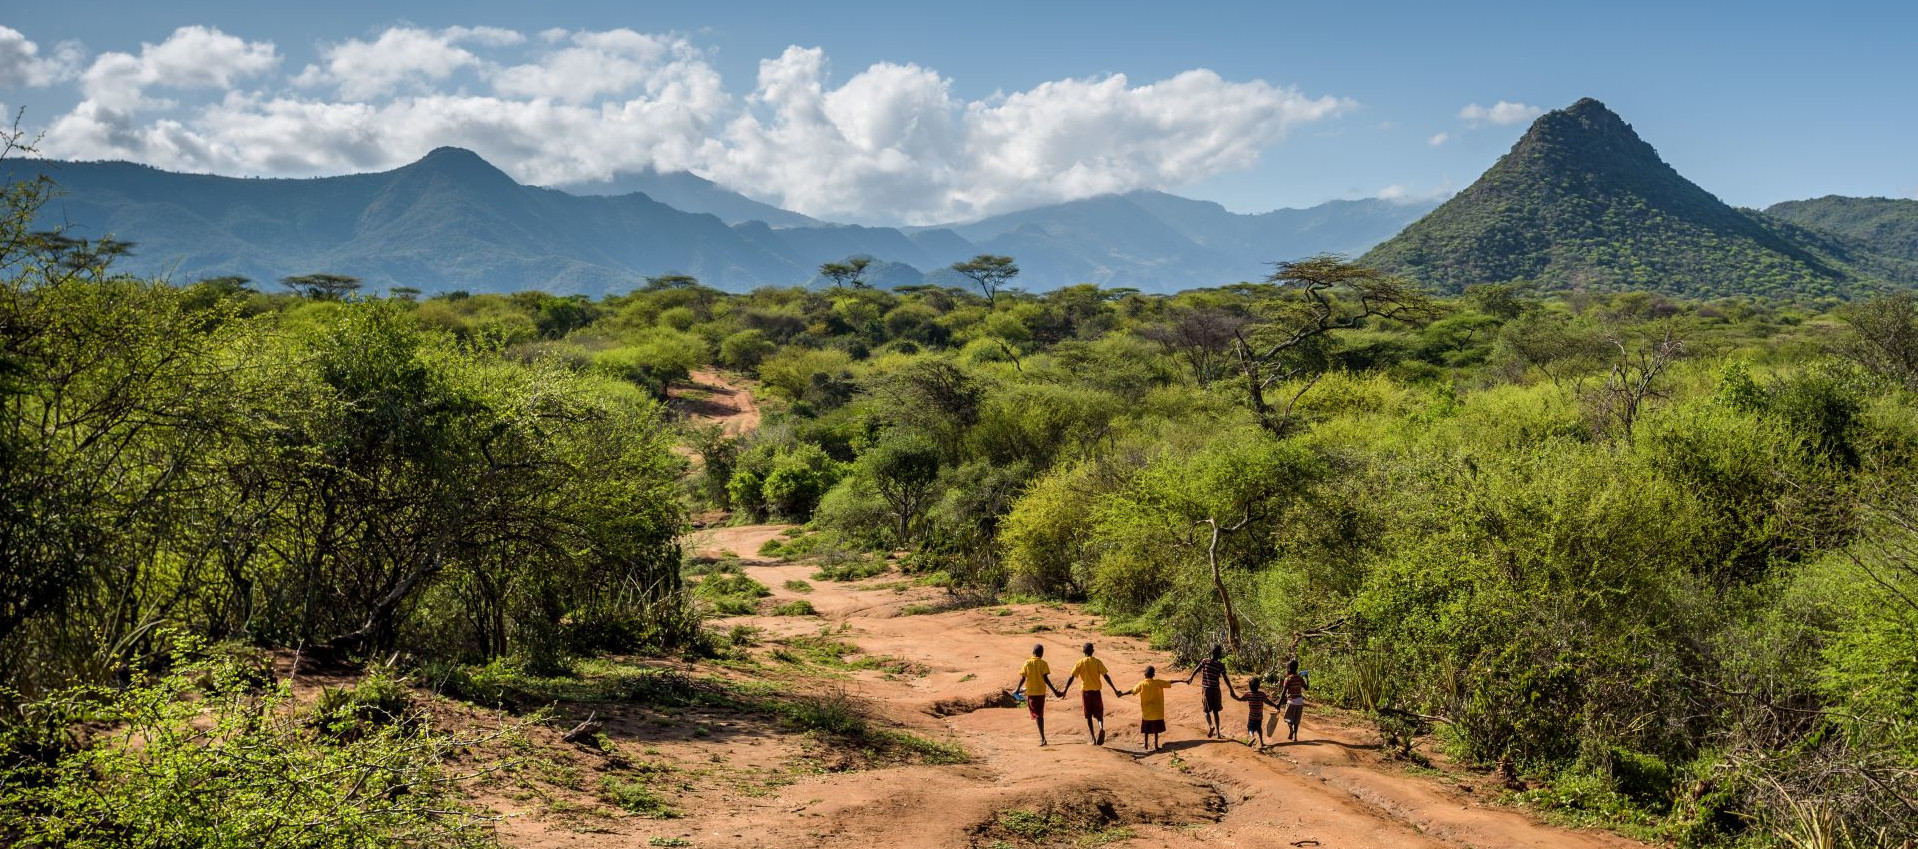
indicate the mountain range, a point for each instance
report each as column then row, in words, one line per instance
column 1582, row 201
column 452, row 221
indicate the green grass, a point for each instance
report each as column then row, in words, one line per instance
column 731, row 593
column 796, row 607
column 1083, row 825
column 855, row 570
column 1110, row 835
column 798, row 586
column 503, row 683
column 634, row 795
column 1030, row 825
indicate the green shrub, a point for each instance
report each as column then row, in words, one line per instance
column 857, row 569
column 744, row 350
column 634, row 795
column 796, row 607
column 731, row 593
column 636, row 625
column 351, row 712
column 225, row 768
column 1645, row 779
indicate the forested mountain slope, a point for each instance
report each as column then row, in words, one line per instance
column 453, row 222
column 1582, row 201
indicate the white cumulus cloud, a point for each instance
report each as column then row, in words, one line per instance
column 400, row 57
column 889, row 143
column 595, row 64
column 22, row 66
column 114, row 91
column 1439, row 139
column 1502, row 112
column 893, row 137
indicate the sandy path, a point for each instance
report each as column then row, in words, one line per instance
column 1329, row 790
column 715, row 398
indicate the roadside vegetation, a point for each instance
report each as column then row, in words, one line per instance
column 1654, row 558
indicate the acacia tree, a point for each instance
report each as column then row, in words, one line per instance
column 1220, row 505
column 1886, row 336
column 990, row 272
column 1291, row 328
column 322, row 286
column 851, row 272
column 1203, row 338
column 904, row 469
column 1632, row 381
column 114, row 398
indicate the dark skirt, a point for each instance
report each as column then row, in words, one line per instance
column 1214, row 700
column 1151, row 726
column 1094, row 703
column 1036, row 705
column 1292, row 713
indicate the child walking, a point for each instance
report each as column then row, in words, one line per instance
column 1294, row 690
column 1256, row 701
column 1210, row 672
column 1087, row 672
column 1151, row 693
column 1036, row 678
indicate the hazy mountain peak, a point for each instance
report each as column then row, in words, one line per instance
column 460, row 163
column 690, row 192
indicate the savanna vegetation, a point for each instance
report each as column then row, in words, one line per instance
column 1657, row 556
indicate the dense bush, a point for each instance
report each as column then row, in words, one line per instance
column 203, row 757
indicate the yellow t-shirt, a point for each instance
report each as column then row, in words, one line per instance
column 1151, row 693
column 1035, row 672
column 1088, row 671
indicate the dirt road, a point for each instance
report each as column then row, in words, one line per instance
column 739, row 784
column 1332, row 789
column 714, row 398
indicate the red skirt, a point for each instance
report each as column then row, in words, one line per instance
column 1151, row 726
column 1036, row 705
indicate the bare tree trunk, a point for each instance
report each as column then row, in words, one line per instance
column 1218, row 583
column 1255, row 393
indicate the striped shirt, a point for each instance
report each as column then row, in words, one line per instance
column 1294, row 686
column 1209, row 672
column 1256, row 700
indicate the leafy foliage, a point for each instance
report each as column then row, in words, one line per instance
column 200, row 757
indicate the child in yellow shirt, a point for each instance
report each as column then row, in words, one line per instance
column 1091, row 696
column 1151, row 693
column 1036, row 679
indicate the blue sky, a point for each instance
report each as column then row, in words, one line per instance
column 896, row 112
